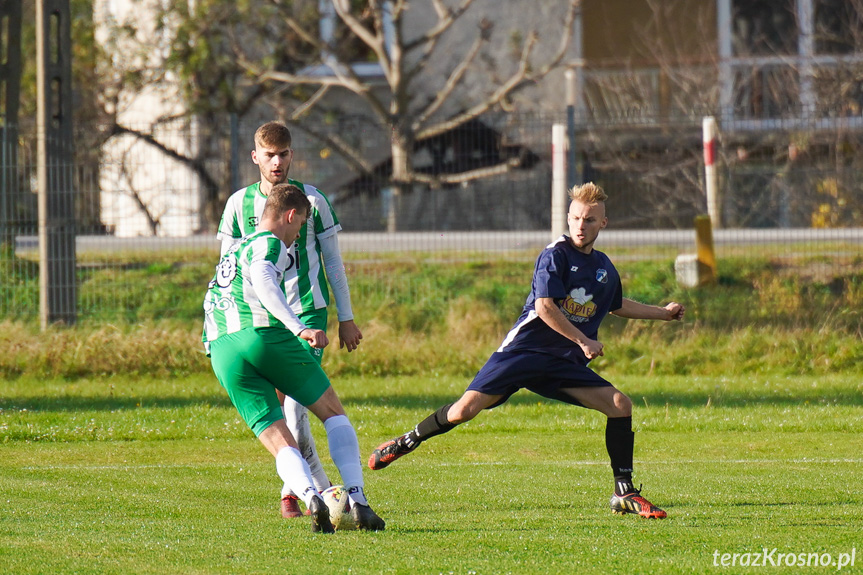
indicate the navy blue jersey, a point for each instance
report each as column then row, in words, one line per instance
column 586, row 287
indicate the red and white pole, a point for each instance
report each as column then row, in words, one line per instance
column 711, row 177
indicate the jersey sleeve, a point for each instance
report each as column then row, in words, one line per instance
column 266, row 278
column 325, row 220
column 547, row 277
column 617, row 297
column 229, row 226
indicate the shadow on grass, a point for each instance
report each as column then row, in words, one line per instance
column 430, row 402
column 675, row 399
column 61, row 403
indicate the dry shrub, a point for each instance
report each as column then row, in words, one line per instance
column 151, row 350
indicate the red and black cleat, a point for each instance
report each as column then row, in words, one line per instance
column 634, row 503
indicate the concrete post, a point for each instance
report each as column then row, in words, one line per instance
column 559, row 204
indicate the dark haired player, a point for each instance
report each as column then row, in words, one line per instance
column 547, row 351
column 314, row 260
column 254, row 340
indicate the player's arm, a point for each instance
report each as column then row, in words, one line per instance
column 349, row 334
column 634, row 310
column 548, row 312
column 265, row 278
column 229, row 232
column 227, row 243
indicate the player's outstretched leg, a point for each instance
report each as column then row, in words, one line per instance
column 435, row 424
column 389, row 451
column 633, row 502
column 320, row 516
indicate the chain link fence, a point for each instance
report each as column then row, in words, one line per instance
column 149, row 198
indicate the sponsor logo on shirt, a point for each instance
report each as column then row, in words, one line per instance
column 578, row 306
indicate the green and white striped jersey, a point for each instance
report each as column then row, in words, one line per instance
column 305, row 281
column 231, row 303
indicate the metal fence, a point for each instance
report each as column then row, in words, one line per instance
column 151, row 196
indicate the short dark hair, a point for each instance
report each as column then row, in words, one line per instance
column 273, row 135
column 285, row 197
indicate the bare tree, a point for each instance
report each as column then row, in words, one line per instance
column 404, row 108
column 180, row 54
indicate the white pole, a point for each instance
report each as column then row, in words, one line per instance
column 559, row 204
column 711, row 177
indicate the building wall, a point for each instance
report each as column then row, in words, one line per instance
column 143, row 192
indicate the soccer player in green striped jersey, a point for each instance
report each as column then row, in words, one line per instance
column 305, row 278
column 253, row 339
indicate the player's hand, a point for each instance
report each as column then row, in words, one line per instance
column 349, row 335
column 592, row 348
column 674, row 311
column 316, row 337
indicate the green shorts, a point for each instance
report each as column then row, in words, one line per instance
column 252, row 363
column 314, row 320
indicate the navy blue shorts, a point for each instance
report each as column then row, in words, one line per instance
column 506, row 372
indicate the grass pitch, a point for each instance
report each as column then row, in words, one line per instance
column 139, row 476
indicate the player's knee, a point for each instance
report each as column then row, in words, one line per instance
column 622, row 405
column 459, row 413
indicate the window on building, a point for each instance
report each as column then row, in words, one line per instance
column 764, row 27
column 838, row 26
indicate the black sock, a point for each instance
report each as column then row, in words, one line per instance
column 434, row 424
column 620, row 441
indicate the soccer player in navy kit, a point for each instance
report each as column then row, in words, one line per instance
column 547, row 351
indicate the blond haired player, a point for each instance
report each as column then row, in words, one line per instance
column 547, row 351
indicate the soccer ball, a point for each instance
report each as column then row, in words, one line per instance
column 336, row 498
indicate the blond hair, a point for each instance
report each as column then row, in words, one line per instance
column 588, row 193
column 273, row 135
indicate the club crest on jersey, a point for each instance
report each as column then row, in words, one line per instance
column 601, row 276
column 578, row 306
column 226, row 271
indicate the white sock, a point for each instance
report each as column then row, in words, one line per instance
column 319, row 476
column 297, row 420
column 345, row 451
column 294, row 471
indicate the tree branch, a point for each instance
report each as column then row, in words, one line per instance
column 374, row 40
column 195, row 164
column 470, row 175
column 446, row 18
column 153, row 221
column 348, row 152
column 451, row 82
column 520, row 78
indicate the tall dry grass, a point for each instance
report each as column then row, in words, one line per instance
column 446, row 318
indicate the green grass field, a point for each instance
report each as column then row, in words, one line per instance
column 119, row 452
column 128, row 475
